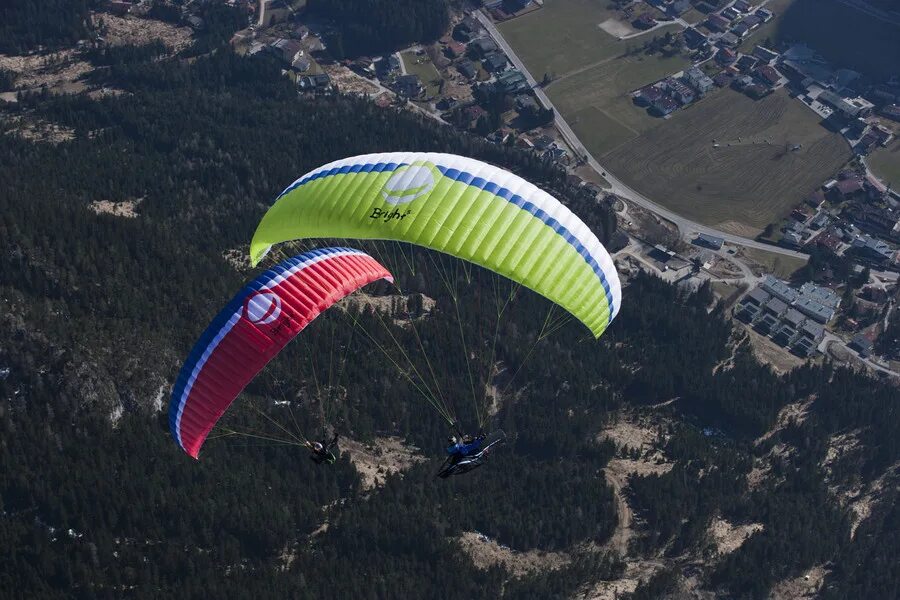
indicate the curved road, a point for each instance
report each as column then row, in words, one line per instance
column 617, row 186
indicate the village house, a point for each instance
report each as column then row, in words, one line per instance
column 731, row 13
column 742, row 82
column 386, row 65
column 872, row 249
column 822, row 295
column 879, row 220
column 455, row 49
column 664, row 105
column 699, row 80
column 693, row 38
column 746, row 63
column 717, row 23
column 846, row 188
column 467, row 68
column 680, row 91
column 408, row 86
column 820, row 221
column 814, row 310
column 862, row 345
column 815, row 200
column 648, row 95
column 466, row 29
column 726, row 56
column 849, row 107
column 811, row 334
column 743, row 6
column 729, row 39
column 779, row 289
column 512, row 82
column 765, row 55
column 764, row 14
column 741, row 29
column 752, row 22
column 771, row 315
column 482, row 47
column 709, row 241
column 789, row 327
column 767, row 75
column 494, row 62
column 316, row 83
column 543, row 143
column 752, row 304
column 286, row 49
column 526, row 105
column 829, row 241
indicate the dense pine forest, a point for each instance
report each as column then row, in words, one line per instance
column 375, row 26
column 98, row 311
column 26, row 25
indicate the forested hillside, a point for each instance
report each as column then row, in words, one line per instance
column 99, row 310
column 26, row 25
column 376, row 26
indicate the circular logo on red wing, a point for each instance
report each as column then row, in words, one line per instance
column 262, row 308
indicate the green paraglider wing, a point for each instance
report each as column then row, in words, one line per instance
column 460, row 206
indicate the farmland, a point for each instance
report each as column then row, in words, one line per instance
column 779, row 265
column 752, row 178
column 566, row 35
column 597, row 104
column 420, row 64
column 885, row 163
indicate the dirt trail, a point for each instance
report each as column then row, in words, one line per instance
column 617, row 480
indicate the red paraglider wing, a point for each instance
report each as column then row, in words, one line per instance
column 264, row 316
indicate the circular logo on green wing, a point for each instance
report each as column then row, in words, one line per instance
column 410, row 182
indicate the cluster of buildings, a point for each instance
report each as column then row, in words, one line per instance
column 840, row 96
column 793, row 318
column 667, row 96
column 863, row 223
column 670, row 9
column 732, row 24
column 755, row 74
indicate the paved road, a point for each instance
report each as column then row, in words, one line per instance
column 830, row 338
column 617, row 186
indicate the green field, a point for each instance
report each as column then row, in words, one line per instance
column 422, row 66
column 779, row 265
column 562, row 36
column 596, row 101
column 751, row 179
column 565, row 35
column 885, row 163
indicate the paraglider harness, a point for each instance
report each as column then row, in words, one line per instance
column 321, row 451
column 468, row 452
